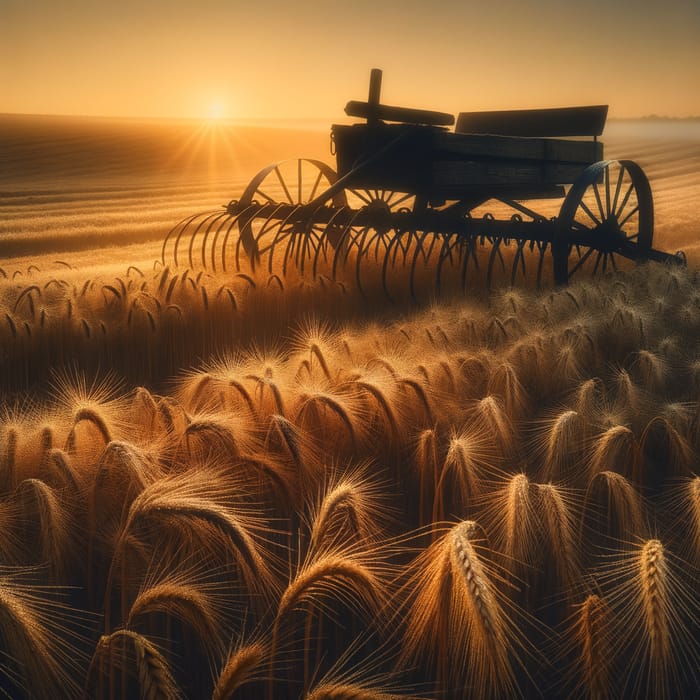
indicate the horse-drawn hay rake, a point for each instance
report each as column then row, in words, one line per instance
column 412, row 196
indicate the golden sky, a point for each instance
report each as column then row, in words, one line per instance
column 304, row 59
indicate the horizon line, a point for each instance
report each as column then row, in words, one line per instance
column 260, row 121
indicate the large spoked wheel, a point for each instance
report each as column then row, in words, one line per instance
column 606, row 221
column 293, row 182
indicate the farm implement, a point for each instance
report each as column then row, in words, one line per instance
column 409, row 193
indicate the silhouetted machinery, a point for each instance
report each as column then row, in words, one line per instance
column 410, row 193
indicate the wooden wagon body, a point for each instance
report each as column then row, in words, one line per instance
column 407, row 187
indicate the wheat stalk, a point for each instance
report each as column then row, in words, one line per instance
column 656, row 619
column 456, row 619
column 564, row 444
column 183, row 601
column 240, row 668
column 616, row 449
column 351, row 691
column 593, row 636
column 49, row 523
column 613, row 510
column 151, row 671
column 9, row 460
column 40, row 658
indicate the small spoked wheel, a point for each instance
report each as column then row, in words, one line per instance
column 606, row 221
column 291, row 182
column 378, row 200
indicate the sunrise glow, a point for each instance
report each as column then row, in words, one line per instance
column 149, row 59
column 216, row 111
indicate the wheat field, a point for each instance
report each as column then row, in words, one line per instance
column 263, row 486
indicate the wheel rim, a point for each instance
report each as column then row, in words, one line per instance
column 606, row 221
column 296, row 182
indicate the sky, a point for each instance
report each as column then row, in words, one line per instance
column 304, row 59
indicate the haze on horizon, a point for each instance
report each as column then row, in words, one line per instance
column 304, row 60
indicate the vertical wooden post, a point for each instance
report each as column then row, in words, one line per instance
column 375, row 89
column 375, row 86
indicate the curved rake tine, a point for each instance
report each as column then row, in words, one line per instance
column 543, row 251
column 392, row 250
column 344, row 251
column 197, row 229
column 380, row 242
column 313, row 242
column 367, row 245
column 426, row 256
column 310, row 241
column 450, row 241
column 518, row 257
column 270, row 221
column 470, row 253
column 216, row 220
column 223, row 225
column 358, row 260
column 394, row 243
column 316, row 234
column 416, row 254
column 495, row 252
column 328, row 242
column 341, row 251
column 292, row 244
column 278, row 237
column 228, row 228
column 404, row 247
column 465, row 245
column 180, row 227
column 186, row 226
column 239, row 243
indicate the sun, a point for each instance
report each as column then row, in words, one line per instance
column 216, row 111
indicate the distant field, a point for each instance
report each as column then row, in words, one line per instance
column 69, row 185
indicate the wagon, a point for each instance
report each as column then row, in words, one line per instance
column 521, row 193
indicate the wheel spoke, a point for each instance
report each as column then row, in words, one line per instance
column 316, row 184
column 265, row 196
column 581, row 261
column 284, row 185
column 607, row 192
column 629, row 216
column 599, row 202
column 401, row 200
column 618, row 185
column 361, row 196
column 299, row 180
column 625, row 199
column 597, row 261
column 590, row 213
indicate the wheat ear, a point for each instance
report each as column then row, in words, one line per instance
column 240, row 668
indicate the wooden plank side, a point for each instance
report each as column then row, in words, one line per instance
column 457, row 175
column 559, row 121
column 484, row 145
